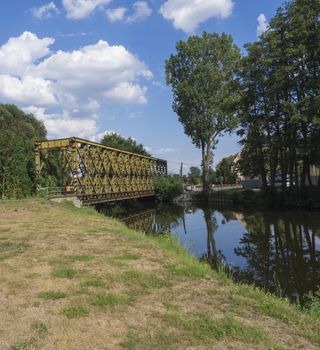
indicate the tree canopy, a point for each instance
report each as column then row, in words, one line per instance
column 202, row 75
column 115, row 140
column 194, row 175
column 280, row 104
column 18, row 131
column 225, row 170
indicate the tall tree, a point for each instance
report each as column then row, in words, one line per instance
column 194, row 175
column 203, row 78
column 115, row 140
column 280, row 104
column 18, row 131
column 225, row 170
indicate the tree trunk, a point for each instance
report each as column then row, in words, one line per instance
column 262, row 167
column 206, row 149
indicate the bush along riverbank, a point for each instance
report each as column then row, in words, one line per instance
column 309, row 198
column 72, row 278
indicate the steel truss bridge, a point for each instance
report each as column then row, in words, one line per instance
column 99, row 173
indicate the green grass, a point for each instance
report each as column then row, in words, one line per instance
column 314, row 305
column 57, row 261
column 80, row 257
column 4, row 230
column 281, row 309
column 10, row 249
column 122, row 260
column 143, row 280
column 64, row 272
column 188, row 270
column 132, row 340
column 20, row 345
column 94, row 282
column 52, row 295
column 75, row 311
column 170, row 306
column 177, row 330
column 202, row 328
column 127, row 257
column 110, row 300
column 40, row 328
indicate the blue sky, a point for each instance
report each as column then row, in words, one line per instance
column 85, row 67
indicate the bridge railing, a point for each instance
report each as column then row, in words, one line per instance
column 55, row 191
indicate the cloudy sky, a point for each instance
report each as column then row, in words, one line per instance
column 86, row 67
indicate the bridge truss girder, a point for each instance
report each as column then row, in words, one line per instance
column 100, row 173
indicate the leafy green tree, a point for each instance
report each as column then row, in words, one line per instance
column 280, row 104
column 202, row 75
column 213, row 178
column 18, row 131
column 194, row 175
column 225, row 170
column 168, row 187
column 115, row 140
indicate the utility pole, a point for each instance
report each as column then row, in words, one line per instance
column 181, row 170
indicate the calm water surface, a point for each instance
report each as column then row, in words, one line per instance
column 276, row 250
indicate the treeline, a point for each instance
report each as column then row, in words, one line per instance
column 224, row 173
column 18, row 131
column 280, row 100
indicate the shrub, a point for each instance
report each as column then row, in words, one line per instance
column 168, row 187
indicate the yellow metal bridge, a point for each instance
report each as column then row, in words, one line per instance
column 98, row 173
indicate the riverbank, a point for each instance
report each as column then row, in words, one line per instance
column 309, row 198
column 74, row 279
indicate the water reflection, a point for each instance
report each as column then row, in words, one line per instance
column 279, row 251
column 212, row 255
column 157, row 220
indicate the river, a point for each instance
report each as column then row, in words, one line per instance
column 276, row 250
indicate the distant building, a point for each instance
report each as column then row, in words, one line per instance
column 314, row 176
column 256, row 181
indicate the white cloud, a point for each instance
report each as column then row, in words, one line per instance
column 72, row 35
column 19, row 53
column 77, row 9
column 165, row 150
column 141, row 11
column 73, row 84
column 45, row 11
column 66, row 126
column 26, row 90
column 188, row 14
column 99, row 136
column 116, row 14
column 59, row 126
column 262, row 24
column 106, row 72
column 127, row 92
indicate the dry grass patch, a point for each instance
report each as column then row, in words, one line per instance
column 81, row 280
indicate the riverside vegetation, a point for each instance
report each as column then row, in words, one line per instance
column 72, row 278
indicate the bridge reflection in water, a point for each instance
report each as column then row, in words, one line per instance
column 278, row 251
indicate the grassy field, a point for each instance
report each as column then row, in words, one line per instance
column 73, row 279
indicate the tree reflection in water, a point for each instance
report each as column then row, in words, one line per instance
column 280, row 252
column 213, row 256
column 158, row 220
